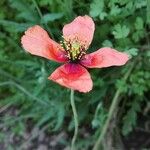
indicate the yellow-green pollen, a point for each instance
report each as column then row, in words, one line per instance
column 75, row 50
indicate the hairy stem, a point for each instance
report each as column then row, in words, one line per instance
column 41, row 16
column 113, row 106
column 75, row 120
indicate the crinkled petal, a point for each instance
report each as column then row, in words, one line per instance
column 73, row 76
column 37, row 42
column 81, row 27
column 104, row 57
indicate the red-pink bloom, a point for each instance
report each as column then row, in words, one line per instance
column 72, row 51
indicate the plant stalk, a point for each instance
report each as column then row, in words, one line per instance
column 75, row 120
column 41, row 16
column 113, row 106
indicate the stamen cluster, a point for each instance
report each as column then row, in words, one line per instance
column 75, row 49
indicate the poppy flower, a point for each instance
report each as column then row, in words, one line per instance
column 77, row 36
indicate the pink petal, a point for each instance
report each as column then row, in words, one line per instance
column 73, row 76
column 81, row 27
column 37, row 42
column 105, row 57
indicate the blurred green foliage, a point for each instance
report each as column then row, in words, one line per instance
column 24, row 87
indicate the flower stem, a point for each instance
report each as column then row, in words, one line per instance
column 75, row 120
column 113, row 106
column 38, row 9
column 41, row 16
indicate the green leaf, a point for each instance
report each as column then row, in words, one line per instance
column 115, row 10
column 147, row 12
column 139, row 23
column 140, row 4
column 120, row 31
column 19, row 128
column 99, row 116
column 60, row 117
column 26, row 11
column 14, row 26
column 132, row 52
column 138, row 35
column 97, row 9
column 130, row 119
column 107, row 43
column 122, row 85
column 51, row 17
column 46, row 2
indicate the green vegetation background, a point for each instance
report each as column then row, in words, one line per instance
column 26, row 95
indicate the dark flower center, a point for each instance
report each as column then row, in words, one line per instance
column 75, row 50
